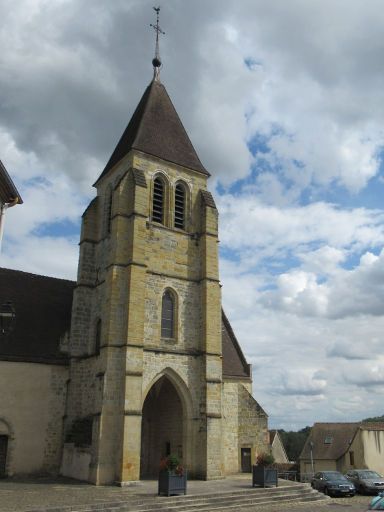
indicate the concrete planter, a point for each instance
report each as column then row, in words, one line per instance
column 170, row 484
column 264, row 476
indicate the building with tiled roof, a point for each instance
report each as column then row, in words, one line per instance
column 136, row 360
column 343, row 446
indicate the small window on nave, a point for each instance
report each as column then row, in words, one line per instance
column 168, row 315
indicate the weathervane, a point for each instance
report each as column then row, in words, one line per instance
column 156, row 61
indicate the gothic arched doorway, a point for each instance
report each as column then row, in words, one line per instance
column 162, row 426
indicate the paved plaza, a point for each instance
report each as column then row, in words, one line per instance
column 21, row 495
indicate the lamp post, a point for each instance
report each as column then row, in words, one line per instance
column 7, row 318
column 311, row 450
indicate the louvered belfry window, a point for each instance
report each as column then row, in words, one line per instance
column 158, row 201
column 167, row 315
column 179, row 206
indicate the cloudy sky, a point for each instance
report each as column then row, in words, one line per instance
column 284, row 102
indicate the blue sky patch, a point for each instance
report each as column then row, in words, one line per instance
column 64, row 228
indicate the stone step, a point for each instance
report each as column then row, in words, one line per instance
column 259, row 492
column 195, row 502
column 242, row 502
column 247, row 499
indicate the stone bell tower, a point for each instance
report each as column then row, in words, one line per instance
column 145, row 343
column 155, row 366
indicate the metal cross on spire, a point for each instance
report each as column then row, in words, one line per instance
column 156, row 61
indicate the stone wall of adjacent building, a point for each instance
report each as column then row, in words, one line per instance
column 373, row 442
column 318, row 465
column 245, row 425
column 32, row 403
column 278, row 450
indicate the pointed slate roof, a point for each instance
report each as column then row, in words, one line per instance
column 155, row 128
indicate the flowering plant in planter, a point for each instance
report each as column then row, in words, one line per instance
column 172, row 476
column 265, row 459
column 264, row 474
column 171, row 464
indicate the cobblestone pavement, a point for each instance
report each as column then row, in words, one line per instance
column 356, row 504
column 18, row 495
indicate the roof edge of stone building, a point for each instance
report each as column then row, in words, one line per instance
column 8, row 190
column 63, row 361
column 32, row 274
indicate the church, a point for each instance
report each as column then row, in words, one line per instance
column 136, row 360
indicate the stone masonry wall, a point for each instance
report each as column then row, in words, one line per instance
column 245, row 425
column 33, row 411
column 54, row 433
column 188, row 312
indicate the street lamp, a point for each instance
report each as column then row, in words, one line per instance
column 311, row 448
column 7, row 318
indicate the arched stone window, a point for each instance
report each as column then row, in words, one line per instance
column 97, row 336
column 180, row 206
column 158, row 200
column 168, row 315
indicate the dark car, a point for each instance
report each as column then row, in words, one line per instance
column 333, row 483
column 366, row 480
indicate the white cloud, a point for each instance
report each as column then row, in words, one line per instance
column 302, row 284
column 269, row 229
column 45, row 203
column 302, row 382
column 48, row 256
column 325, row 260
column 367, row 375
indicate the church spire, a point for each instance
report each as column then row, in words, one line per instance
column 156, row 60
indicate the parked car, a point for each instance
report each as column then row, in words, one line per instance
column 366, row 480
column 333, row 483
column 377, row 503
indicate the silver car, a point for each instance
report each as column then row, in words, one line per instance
column 366, row 480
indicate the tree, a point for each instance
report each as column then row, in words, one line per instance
column 379, row 419
column 294, row 441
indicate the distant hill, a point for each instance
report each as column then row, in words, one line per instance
column 376, row 418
